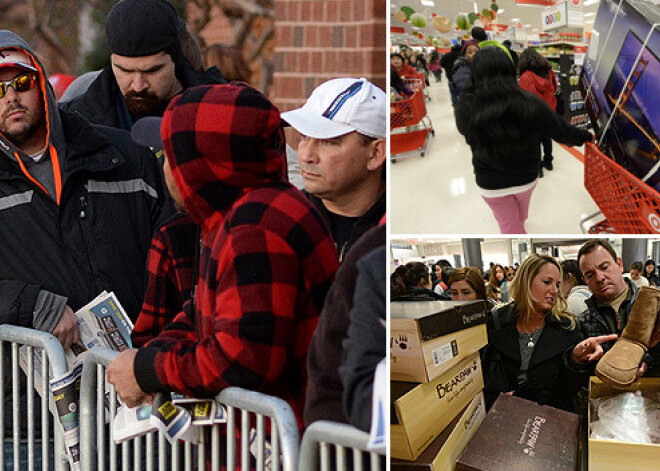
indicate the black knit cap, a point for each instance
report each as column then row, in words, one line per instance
column 136, row 28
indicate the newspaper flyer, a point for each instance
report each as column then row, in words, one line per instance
column 378, row 436
column 101, row 322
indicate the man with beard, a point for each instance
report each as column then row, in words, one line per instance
column 147, row 67
column 78, row 205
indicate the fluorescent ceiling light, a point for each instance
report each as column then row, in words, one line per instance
column 500, row 11
column 527, row 26
column 428, row 3
column 589, row 22
column 476, row 8
column 535, row 29
column 515, row 19
column 590, row 2
column 587, row 15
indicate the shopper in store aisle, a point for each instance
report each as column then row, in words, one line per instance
column 573, row 288
column 481, row 37
column 650, row 273
column 527, row 339
column 447, row 62
column 635, row 274
column 537, row 77
column 463, row 67
column 512, row 53
column 498, row 289
column 503, row 125
column 608, row 311
column 412, row 282
column 398, row 63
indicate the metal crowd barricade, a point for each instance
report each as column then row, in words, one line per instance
column 274, row 446
column 52, row 361
column 323, row 437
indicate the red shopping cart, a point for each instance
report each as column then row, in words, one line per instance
column 629, row 205
column 410, row 126
column 417, row 82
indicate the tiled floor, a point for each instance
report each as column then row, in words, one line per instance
column 437, row 194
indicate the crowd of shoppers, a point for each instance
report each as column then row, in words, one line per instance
column 559, row 321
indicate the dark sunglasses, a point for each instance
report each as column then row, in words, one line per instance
column 22, row 83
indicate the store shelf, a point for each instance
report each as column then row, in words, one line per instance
column 560, row 43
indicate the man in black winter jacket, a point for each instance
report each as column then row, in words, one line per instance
column 78, row 206
column 608, row 309
column 147, row 66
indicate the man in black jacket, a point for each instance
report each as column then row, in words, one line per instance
column 608, row 309
column 78, row 205
column 147, row 67
column 342, row 155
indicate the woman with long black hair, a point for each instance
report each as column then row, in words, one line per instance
column 503, row 125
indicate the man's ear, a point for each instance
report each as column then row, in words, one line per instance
column 620, row 263
column 378, row 152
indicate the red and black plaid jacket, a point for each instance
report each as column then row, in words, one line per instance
column 267, row 258
column 170, row 278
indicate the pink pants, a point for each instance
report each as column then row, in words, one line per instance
column 511, row 211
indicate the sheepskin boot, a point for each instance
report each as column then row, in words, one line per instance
column 619, row 365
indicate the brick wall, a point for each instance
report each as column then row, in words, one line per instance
column 319, row 40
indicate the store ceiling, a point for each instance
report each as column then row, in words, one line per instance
column 509, row 10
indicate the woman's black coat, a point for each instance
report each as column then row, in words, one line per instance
column 548, row 380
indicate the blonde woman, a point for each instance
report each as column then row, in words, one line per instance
column 528, row 337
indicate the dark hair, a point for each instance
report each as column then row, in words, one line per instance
column 506, row 43
column 534, row 62
column 499, row 115
column 406, row 277
column 446, row 272
column 572, row 267
column 479, row 33
column 636, row 266
column 647, row 263
column 592, row 245
column 396, row 54
column 190, row 47
column 395, row 81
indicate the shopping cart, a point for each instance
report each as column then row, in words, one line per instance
column 417, row 82
column 410, row 126
column 629, row 205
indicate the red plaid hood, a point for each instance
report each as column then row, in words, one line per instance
column 221, row 141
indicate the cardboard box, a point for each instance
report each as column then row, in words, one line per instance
column 608, row 455
column 428, row 338
column 442, row 453
column 424, row 361
column 422, row 411
column 518, row 434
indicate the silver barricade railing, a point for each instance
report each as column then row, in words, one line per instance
column 53, row 362
column 322, row 437
column 250, row 413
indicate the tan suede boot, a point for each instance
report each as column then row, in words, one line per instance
column 619, row 365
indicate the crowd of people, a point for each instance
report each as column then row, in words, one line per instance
column 161, row 182
column 556, row 322
column 507, row 109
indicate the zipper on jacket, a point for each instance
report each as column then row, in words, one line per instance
column 83, row 206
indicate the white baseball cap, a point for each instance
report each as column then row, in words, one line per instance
column 16, row 58
column 340, row 106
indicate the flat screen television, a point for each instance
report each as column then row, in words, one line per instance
column 632, row 138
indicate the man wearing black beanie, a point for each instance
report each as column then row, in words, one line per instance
column 147, row 67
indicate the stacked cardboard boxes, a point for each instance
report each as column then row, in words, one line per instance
column 437, row 383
